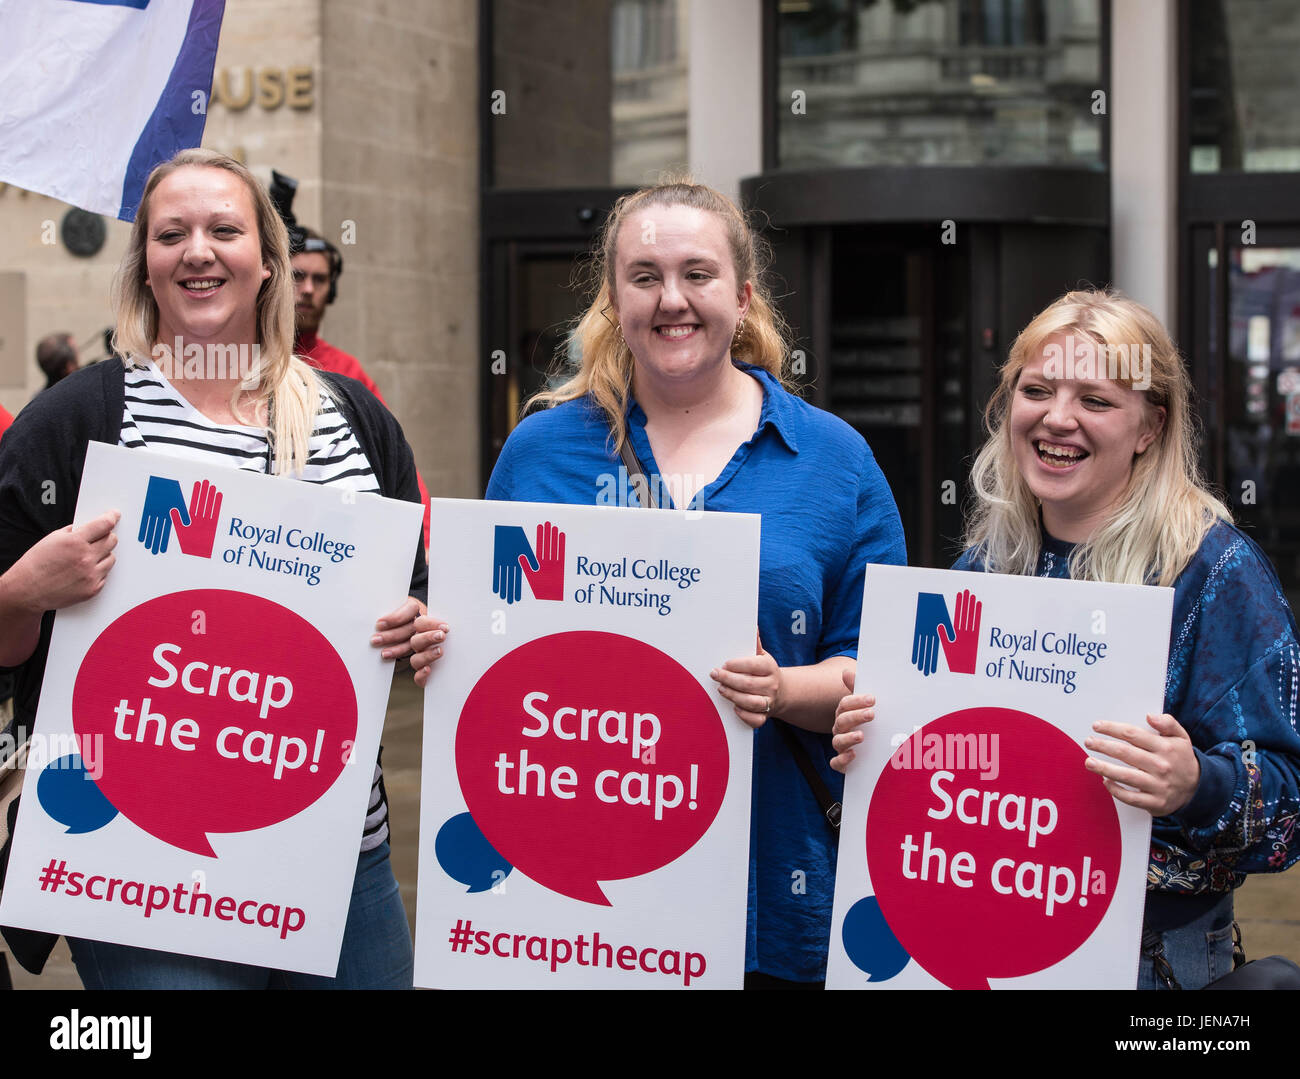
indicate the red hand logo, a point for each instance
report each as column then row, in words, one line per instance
column 960, row 651
column 547, row 581
column 198, row 536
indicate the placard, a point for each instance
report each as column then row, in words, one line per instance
column 585, row 792
column 205, row 744
column 976, row 849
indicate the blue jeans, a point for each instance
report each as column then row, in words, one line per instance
column 376, row 951
column 1198, row 952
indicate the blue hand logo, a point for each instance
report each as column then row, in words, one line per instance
column 160, row 499
column 510, row 545
column 931, row 613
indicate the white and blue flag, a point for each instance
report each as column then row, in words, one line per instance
column 95, row 93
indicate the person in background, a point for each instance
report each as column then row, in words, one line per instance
column 56, row 356
column 317, row 266
column 1096, row 479
column 316, row 269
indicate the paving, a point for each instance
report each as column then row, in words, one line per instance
column 1268, row 905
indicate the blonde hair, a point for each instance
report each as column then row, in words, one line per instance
column 1165, row 510
column 287, row 386
column 607, row 362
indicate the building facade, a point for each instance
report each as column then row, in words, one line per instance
column 930, row 174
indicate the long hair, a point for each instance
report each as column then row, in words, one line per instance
column 1164, row 511
column 285, row 384
column 606, row 361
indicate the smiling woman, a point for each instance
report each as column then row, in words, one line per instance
column 1075, row 443
column 206, row 268
column 682, row 357
column 203, row 259
column 1096, row 479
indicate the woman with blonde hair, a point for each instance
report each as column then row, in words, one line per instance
column 682, row 359
column 204, row 300
column 1090, row 472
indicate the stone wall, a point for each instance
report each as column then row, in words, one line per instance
column 399, row 195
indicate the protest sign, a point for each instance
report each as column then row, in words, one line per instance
column 584, row 812
column 205, row 743
column 976, row 850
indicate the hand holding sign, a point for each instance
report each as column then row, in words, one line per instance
column 850, row 714
column 67, row 566
column 752, row 684
column 1163, row 769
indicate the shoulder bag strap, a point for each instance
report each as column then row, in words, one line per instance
column 829, row 806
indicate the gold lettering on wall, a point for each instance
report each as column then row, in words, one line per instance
column 301, row 88
column 272, row 87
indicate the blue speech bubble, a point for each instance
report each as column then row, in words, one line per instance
column 69, row 795
column 870, row 943
column 465, row 854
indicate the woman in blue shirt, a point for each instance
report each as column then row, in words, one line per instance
column 682, row 356
column 1090, row 473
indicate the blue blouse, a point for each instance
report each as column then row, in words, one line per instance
column 827, row 511
column 1232, row 682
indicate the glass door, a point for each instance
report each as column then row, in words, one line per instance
column 1246, row 364
column 899, row 371
column 530, row 308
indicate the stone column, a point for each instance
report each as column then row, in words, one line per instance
column 399, row 195
column 1143, row 152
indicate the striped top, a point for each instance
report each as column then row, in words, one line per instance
column 155, row 416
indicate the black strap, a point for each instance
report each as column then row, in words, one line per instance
column 829, row 806
column 635, row 473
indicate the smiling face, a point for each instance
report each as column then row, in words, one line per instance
column 675, row 293
column 1075, row 441
column 203, row 257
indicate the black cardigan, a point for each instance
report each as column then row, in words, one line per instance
column 41, row 460
column 43, row 453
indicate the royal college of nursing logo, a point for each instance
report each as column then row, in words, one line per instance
column 958, row 636
column 514, row 559
column 165, row 509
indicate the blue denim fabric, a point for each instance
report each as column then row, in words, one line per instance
column 1199, row 952
column 376, row 953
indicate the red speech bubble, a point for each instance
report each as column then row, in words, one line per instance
column 621, row 755
column 981, row 828
column 217, row 712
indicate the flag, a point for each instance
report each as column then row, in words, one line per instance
column 95, row 93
